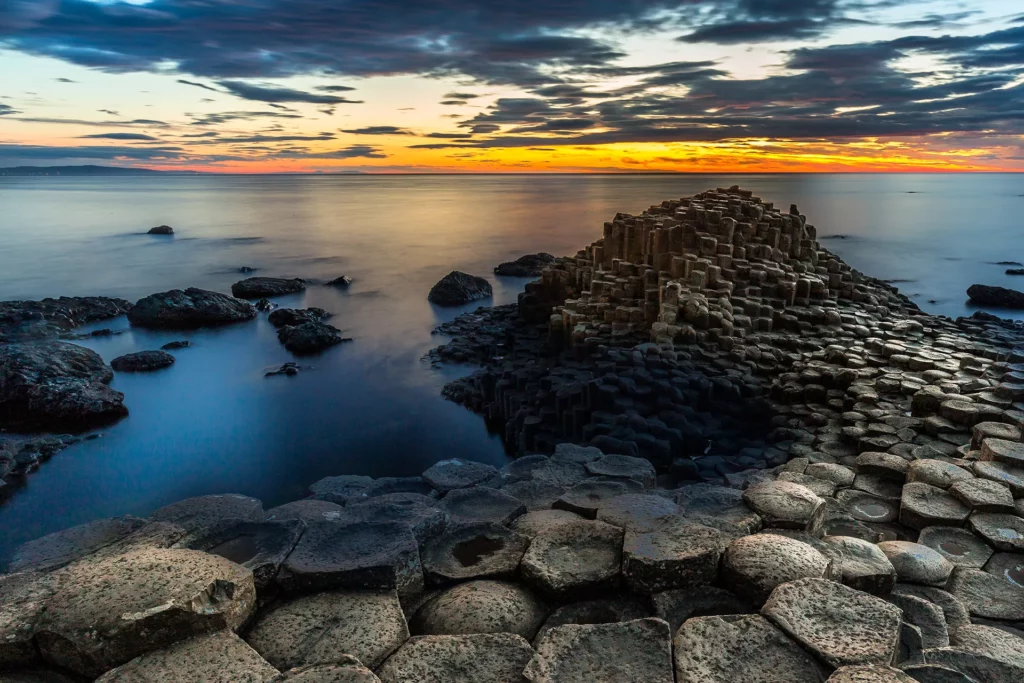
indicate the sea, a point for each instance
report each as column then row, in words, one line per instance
column 213, row 423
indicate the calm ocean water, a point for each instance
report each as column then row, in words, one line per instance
column 212, row 423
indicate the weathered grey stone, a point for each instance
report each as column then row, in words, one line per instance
column 728, row 649
column 840, row 475
column 473, row 552
column 574, row 559
column 917, row 563
column 185, row 309
column 638, row 650
column 869, row 674
column 639, row 511
column 322, row 628
column 195, row 513
column 718, row 507
column 926, row 616
column 456, row 473
column 954, row 611
column 863, row 565
column 678, row 605
column 1003, row 532
column 342, row 489
column 258, row 546
column 482, row 504
column 819, row 487
column 586, row 499
column 358, row 556
column 220, row 657
column 570, row 452
column 22, row 601
column 978, row 667
column 420, row 514
column 959, row 546
column 1010, row 475
column 840, row 625
column 63, row 547
column 477, row 658
column 1004, row 451
column 992, row 642
column 986, row 595
column 109, row 610
column 983, row 495
column 1008, row 566
column 865, row 507
column 785, row 505
column 308, row 510
column 624, row 467
column 481, row 607
column 600, row 611
column 677, row 556
column 532, row 523
column 911, row 648
column 458, row 288
column 535, row 495
column 350, row 670
column 882, row 464
column 934, row 673
column 936, row 473
column 923, row 505
column 753, row 566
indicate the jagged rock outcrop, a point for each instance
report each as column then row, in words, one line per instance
column 189, row 308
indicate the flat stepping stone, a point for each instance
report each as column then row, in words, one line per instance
column 1003, row 451
column 586, row 499
column 937, row 473
column 481, row 607
column 22, row 601
column 258, row 546
column 570, row 452
column 535, row 495
column 308, row 510
column 477, row 658
column 220, row 657
column 959, row 546
column 600, row 611
column 482, row 504
column 882, row 464
column 624, row 467
column 992, row 642
column 457, row 473
column 784, row 505
column 719, row 507
column 865, row 507
column 323, row 628
column 194, row 513
column 674, row 557
column 170, row 594
column 727, row 649
column 954, row 611
column 574, row 559
column 639, row 511
column 933, row 673
column 533, row 523
column 1008, row 566
column 355, row 556
column 917, row 563
column 923, row 505
column 987, row 595
column 1002, row 532
column 983, row 495
column 677, row 605
column 350, row 671
column 876, row 485
column 473, row 552
column 820, row 487
column 840, row 625
column 840, row 475
column 753, row 566
column 977, row 667
column 994, row 430
column 387, row 486
column 1007, row 474
column 64, row 547
column 342, row 489
column 638, row 650
column 869, row 674
column 863, row 565
column 420, row 514
column 926, row 616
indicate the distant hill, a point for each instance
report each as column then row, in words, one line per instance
column 75, row 171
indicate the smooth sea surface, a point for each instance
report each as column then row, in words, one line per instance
column 212, row 423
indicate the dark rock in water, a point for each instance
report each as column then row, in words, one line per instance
column 985, row 295
column 296, row 316
column 529, row 265
column 310, row 337
column 161, row 230
column 49, row 318
column 986, row 317
column 1009, row 263
column 290, row 369
column 182, row 344
column 189, row 308
column 343, row 281
column 264, row 305
column 457, row 288
column 247, row 269
column 56, row 385
column 142, row 361
column 257, row 287
column 1015, row 271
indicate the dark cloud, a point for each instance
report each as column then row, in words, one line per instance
column 266, row 93
column 39, row 152
column 119, row 136
column 378, row 130
column 198, row 85
column 351, row 152
column 460, row 95
column 64, row 80
column 277, row 138
column 148, row 123
column 937, row 20
column 453, row 102
column 111, row 112
column 757, row 21
column 6, row 109
column 224, row 117
column 335, row 88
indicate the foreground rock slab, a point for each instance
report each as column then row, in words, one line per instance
column 481, row 658
column 631, row 651
column 22, row 601
column 189, row 308
column 482, row 607
column 348, row 671
column 574, row 559
column 200, row 511
column 220, row 657
column 63, row 547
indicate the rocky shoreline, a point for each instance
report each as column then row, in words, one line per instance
column 739, row 459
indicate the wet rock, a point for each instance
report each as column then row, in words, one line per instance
column 457, row 288
column 161, row 230
column 23, row 598
column 323, row 628
column 678, row 605
column 959, row 546
column 718, row 507
column 448, row 475
column 289, row 369
column 64, row 547
column 308, row 510
column 189, row 308
column 220, row 657
column 195, row 513
column 838, row 624
column 258, row 546
column 109, row 610
column 529, row 265
column 639, row 511
column 310, row 337
column 482, row 504
column 1002, row 532
column 784, row 505
column 419, row 513
column 259, row 287
column 1007, row 566
column 574, row 559
column 477, row 658
column 481, row 607
column 284, row 317
column 174, row 345
column 475, row 551
column 917, row 563
column 355, row 556
column 681, row 556
column 586, row 498
column 727, row 649
column 985, row 295
column 56, row 385
column 863, row 565
column 753, row 566
column 986, row 595
column 923, row 505
column 632, row 651
column 599, row 611
column 624, row 467
column 342, row 489
column 535, row 495
column 49, row 318
column 340, row 281
column 143, row 361
column 265, row 305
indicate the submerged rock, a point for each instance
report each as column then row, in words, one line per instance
column 189, row 308
column 64, row 547
column 296, row 316
column 986, row 295
column 143, row 361
column 259, row 287
column 161, row 230
column 530, row 265
column 457, row 288
column 310, row 337
column 50, row 318
column 342, row 281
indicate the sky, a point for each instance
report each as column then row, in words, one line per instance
column 715, row 86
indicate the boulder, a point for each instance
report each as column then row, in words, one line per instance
column 482, row 504
column 753, row 566
column 638, row 511
column 719, row 507
column 310, row 337
column 259, row 287
column 993, row 642
column 64, row 547
column 678, row 556
column 638, row 650
column 342, row 489
column 535, row 495
column 420, row 514
column 785, row 505
column 195, row 513
column 985, row 295
column 863, row 565
column 1002, row 532
column 177, row 344
column 959, row 546
column 953, row 611
column 923, row 505
column 471, row 552
column 56, row 385
column 1008, row 566
column 574, row 559
column 840, row 625
column 1002, row 450
column 529, row 265
column 677, row 605
column 917, row 563
column 22, row 602
column 733, row 648
column 354, row 556
column 936, row 473
column 986, row 595
column 161, row 230
column 982, row 495
column 481, row 607
column 108, row 610
column 143, row 361
column 977, row 667
column 448, row 475
column 457, row 288
column 340, row 281
column 533, row 523
column 323, row 628
column 188, row 309
column 926, row 616
column 49, row 318
column 476, row 658
column 308, row 510
column 284, row 317
column 220, row 657
column 598, row 611
column 586, row 498
column 934, row 673
column 258, row 546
